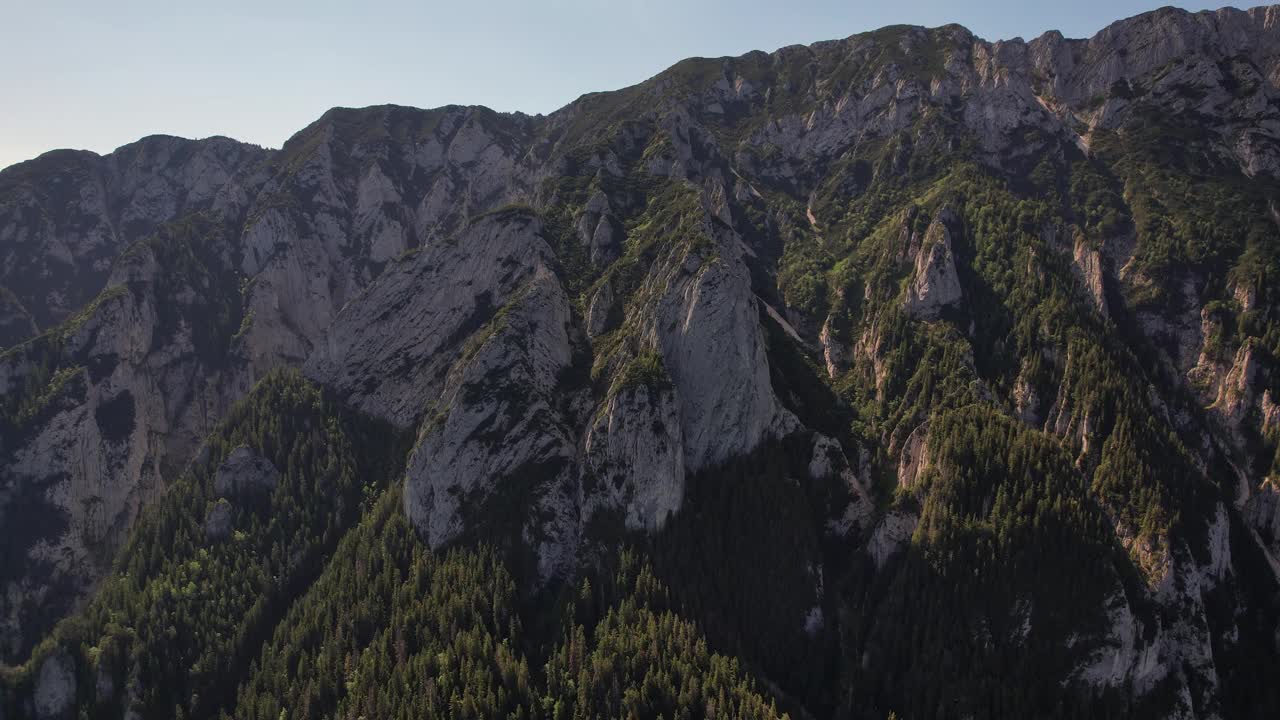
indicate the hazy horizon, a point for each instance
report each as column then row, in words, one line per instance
column 97, row 78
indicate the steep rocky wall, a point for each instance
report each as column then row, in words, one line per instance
column 571, row 310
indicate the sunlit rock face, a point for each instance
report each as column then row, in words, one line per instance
column 575, row 315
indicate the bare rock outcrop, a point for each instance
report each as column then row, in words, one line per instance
column 1262, row 512
column 635, row 455
column 497, row 435
column 1237, row 393
column 1088, row 268
column 368, row 250
column 16, row 322
column 217, row 522
column 935, row 283
column 708, row 329
column 891, row 536
column 914, row 460
column 835, row 355
column 601, row 311
column 598, row 230
column 245, row 472
column 65, row 215
column 388, row 351
column 828, row 462
column 55, row 689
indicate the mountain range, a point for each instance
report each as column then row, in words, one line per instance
column 908, row 374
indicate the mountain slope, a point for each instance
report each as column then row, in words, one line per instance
column 905, row 350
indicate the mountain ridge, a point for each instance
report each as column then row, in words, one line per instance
column 1044, row 37
column 924, row 307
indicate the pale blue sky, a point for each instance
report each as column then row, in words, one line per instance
column 99, row 74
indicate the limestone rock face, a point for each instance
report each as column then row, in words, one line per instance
column 1238, row 391
column 245, row 472
column 597, row 230
column 914, row 458
column 575, row 312
column 390, row 350
column 935, row 282
column 1026, row 401
column 635, row 453
column 600, row 311
column 891, row 536
column 90, row 457
column 1089, row 270
column 1134, row 48
column 707, row 327
column 55, row 687
column 1262, row 511
column 217, row 523
column 16, row 322
column 828, row 462
column 66, row 215
column 1124, row 655
column 835, row 355
column 497, row 435
column 135, row 388
column 1234, row 392
column 359, row 189
column 471, row 338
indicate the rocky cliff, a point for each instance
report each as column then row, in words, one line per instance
column 583, row 317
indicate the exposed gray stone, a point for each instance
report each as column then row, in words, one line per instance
column 388, row 352
column 636, row 455
column 368, row 258
column 55, row 689
column 245, row 472
column 935, row 283
column 891, row 536
column 217, row 523
column 497, row 428
column 600, row 310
